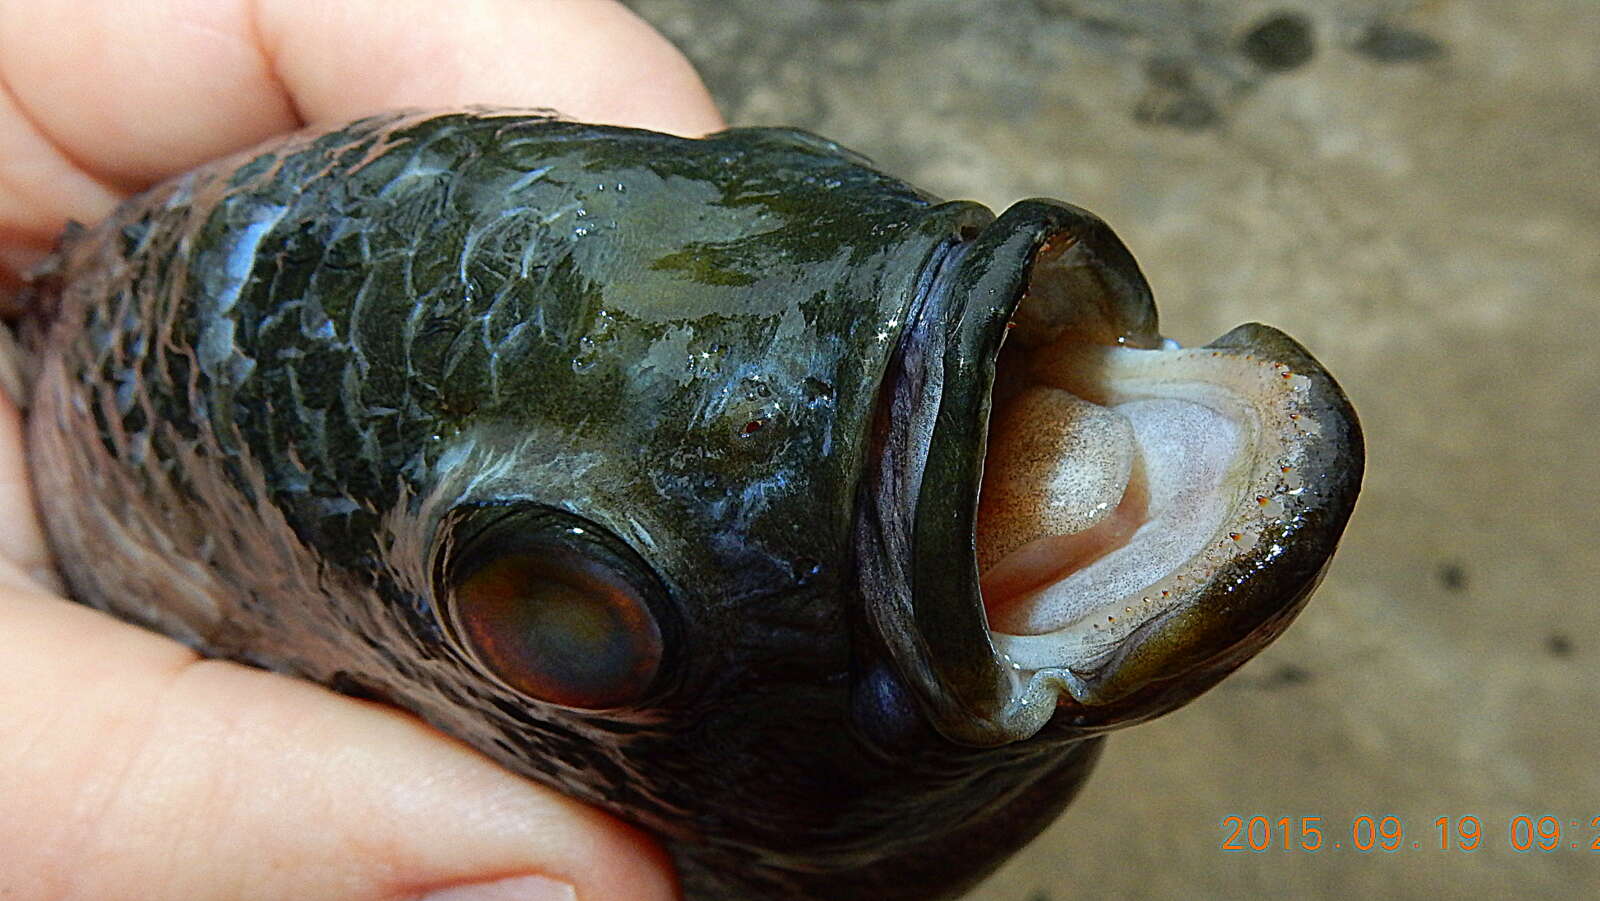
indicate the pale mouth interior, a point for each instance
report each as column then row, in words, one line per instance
column 1118, row 480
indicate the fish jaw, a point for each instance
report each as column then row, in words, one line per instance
column 1076, row 524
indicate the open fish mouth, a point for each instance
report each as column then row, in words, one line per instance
column 1101, row 523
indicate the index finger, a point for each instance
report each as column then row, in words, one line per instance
column 103, row 98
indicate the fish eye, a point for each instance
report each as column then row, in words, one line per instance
column 559, row 627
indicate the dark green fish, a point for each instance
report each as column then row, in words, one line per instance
column 651, row 467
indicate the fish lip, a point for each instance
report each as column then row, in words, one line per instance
column 919, row 567
column 1176, row 657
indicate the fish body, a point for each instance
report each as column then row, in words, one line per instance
column 650, row 467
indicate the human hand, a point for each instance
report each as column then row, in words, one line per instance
column 130, row 768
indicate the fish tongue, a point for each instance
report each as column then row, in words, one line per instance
column 1061, row 487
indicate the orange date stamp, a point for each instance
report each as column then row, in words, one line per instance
column 1391, row 834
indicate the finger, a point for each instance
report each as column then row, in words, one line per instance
column 40, row 189
column 130, row 769
column 21, row 542
column 104, row 97
column 591, row 60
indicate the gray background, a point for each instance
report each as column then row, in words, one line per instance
column 1413, row 191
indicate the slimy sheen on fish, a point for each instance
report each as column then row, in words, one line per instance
column 813, row 523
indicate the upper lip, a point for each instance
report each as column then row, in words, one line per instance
column 919, row 570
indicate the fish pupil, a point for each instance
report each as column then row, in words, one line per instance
column 559, row 628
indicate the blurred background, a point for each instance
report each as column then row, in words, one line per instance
column 1411, row 189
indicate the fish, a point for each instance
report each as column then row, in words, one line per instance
column 818, row 525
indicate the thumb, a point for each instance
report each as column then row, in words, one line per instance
column 130, row 768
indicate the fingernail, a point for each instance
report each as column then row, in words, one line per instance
column 517, row 888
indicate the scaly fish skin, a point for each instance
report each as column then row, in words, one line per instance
column 294, row 408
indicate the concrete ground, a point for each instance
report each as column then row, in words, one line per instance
column 1412, row 189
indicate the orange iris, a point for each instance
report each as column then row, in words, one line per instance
column 560, row 628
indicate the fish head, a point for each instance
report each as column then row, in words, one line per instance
column 632, row 556
column 887, row 558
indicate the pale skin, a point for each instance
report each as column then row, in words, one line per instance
column 129, row 767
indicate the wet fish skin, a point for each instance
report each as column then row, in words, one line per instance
column 288, row 363
column 280, row 399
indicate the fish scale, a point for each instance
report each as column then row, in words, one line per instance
column 741, row 380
